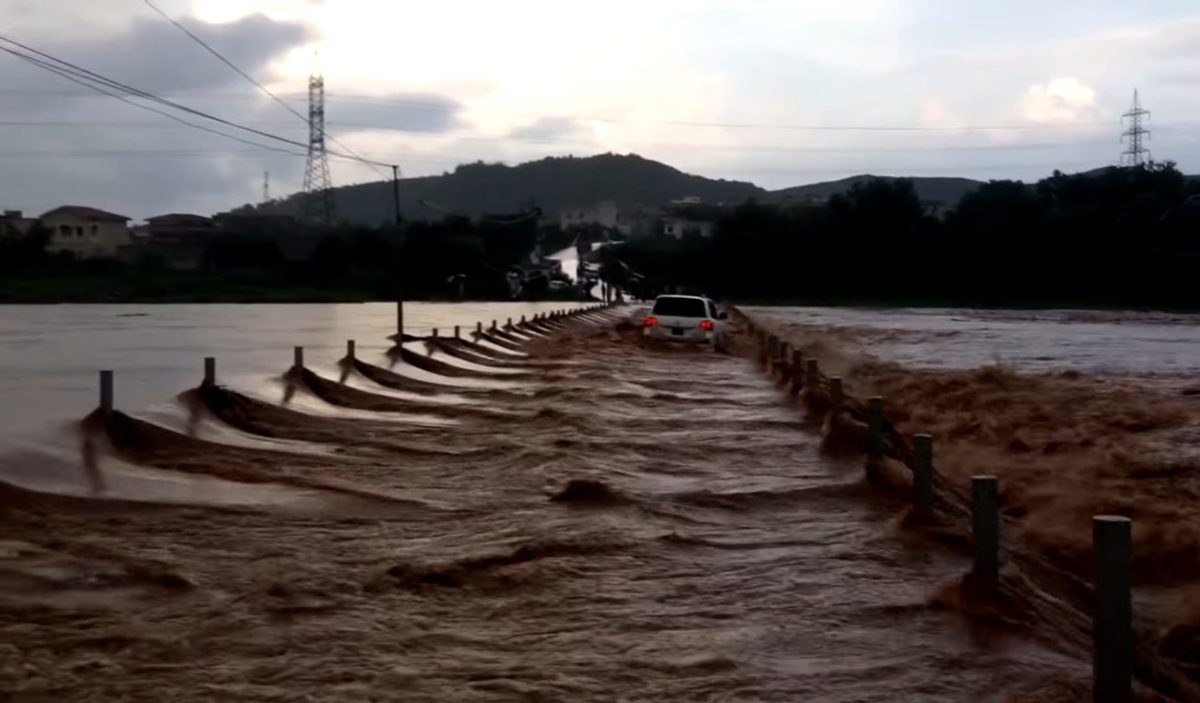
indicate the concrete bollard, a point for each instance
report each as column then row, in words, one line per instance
column 522, row 319
column 210, row 371
column 298, row 357
column 923, row 474
column 985, row 527
column 837, row 394
column 457, row 332
column 350, row 349
column 797, row 370
column 478, row 328
column 1112, row 623
column 400, row 318
column 875, row 427
column 812, row 374
column 106, row 392
column 435, row 333
column 509, row 325
column 494, row 325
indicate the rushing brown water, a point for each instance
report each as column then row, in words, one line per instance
column 595, row 521
column 1095, row 414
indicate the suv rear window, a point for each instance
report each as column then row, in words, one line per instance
column 680, row 307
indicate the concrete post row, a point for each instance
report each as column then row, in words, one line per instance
column 875, row 427
column 106, row 392
column 923, row 474
column 985, row 527
column 1112, row 622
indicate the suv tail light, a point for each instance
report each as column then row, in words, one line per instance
column 707, row 325
column 651, row 321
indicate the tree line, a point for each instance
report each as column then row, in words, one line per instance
column 455, row 258
column 1114, row 237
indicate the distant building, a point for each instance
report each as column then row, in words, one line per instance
column 14, row 224
column 257, row 223
column 86, row 232
column 179, row 225
column 687, row 218
column 179, row 241
column 680, row 227
column 642, row 222
column 603, row 213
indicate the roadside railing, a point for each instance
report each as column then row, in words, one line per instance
column 1010, row 576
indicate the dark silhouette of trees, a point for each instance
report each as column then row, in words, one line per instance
column 1112, row 237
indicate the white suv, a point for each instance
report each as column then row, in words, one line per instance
column 686, row 318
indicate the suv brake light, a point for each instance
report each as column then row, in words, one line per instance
column 651, row 321
column 707, row 325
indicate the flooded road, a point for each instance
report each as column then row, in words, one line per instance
column 616, row 523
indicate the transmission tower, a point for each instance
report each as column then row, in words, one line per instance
column 1137, row 154
column 318, row 186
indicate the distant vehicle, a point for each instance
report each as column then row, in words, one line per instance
column 687, row 318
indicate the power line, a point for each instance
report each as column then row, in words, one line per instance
column 91, row 79
column 583, row 142
column 260, row 86
column 71, row 77
column 206, row 153
column 438, row 107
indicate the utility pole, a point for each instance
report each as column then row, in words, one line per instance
column 396, row 192
column 266, row 187
column 318, row 185
column 1137, row 154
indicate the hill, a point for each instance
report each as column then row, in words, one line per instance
column 552, row 184
column 947, row 191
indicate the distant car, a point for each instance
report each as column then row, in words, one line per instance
column 686, row 318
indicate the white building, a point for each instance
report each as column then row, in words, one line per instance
column 603, row 213
column 680, row 227
column 86, row 232
column 14, row 224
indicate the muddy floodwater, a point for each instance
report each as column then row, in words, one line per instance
column 557, row 513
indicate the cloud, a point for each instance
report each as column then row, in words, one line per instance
column 1060, row 101
column 153, row 55
column 69, row 144
column 549, row 129
column 401, row 111
column 934, row 112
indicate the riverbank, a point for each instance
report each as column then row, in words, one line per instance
column 134, row 285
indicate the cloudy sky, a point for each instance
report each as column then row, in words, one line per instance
column 778, row 92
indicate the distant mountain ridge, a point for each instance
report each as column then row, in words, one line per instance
column 553, row 184
column 558, row 183
column 945, row 191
